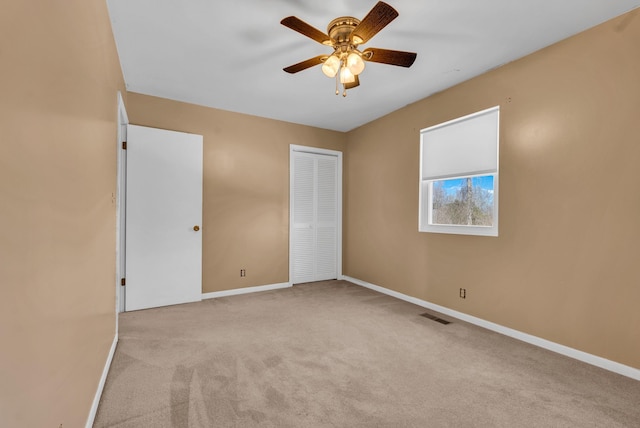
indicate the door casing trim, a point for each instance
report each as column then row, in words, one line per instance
column 121, row 200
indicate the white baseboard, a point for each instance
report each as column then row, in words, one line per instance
column 103, row 379
column 594, row 360
column 245, row 290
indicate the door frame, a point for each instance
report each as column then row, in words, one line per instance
column 293, row 148
column 121, row 204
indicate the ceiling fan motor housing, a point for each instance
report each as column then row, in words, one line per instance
column 340, row 30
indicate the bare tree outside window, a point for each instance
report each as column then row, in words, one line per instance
column 463, row 201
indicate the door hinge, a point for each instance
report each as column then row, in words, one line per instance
column 124, row 145
column 123, row 281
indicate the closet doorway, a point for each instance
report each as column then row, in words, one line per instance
column 315, row 214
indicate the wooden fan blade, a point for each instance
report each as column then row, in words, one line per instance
column 378, row 18
column 297, row 24
column 305, row 64
column 386, row 56
column 352, row 84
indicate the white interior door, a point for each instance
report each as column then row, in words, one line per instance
column 163, row 219
column 315, row 215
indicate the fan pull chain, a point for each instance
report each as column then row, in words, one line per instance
column 344, row 90
column 337, row 80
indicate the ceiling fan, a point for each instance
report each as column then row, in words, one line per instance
column 345, row 34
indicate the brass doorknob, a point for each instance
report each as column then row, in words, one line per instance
column 196, row 228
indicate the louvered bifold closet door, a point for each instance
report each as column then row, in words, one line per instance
column 315, row 216
column 304, row 208
column 326, row 217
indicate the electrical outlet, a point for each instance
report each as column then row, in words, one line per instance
column 463, row 293
column 243, row 272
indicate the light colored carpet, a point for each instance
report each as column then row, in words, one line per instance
column 333, row 354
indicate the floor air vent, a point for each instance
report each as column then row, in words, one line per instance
column 435, row 318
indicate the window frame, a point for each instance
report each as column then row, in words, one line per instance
column 425, row 213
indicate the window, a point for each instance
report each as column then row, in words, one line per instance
column 459, row 175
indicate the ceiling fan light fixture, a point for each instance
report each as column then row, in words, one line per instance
column 331, row 66
column 345, row 34
column 355, row 64
column 346, row 76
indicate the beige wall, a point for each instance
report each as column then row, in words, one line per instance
column 59, row 77
column 565, row 266
column 246, row 186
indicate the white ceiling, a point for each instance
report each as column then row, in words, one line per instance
column 230, row 54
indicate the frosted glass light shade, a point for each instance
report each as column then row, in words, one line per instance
column 331, row 66
column 346, row 76
column 355, row 63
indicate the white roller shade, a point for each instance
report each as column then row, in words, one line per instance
column 461, row 147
